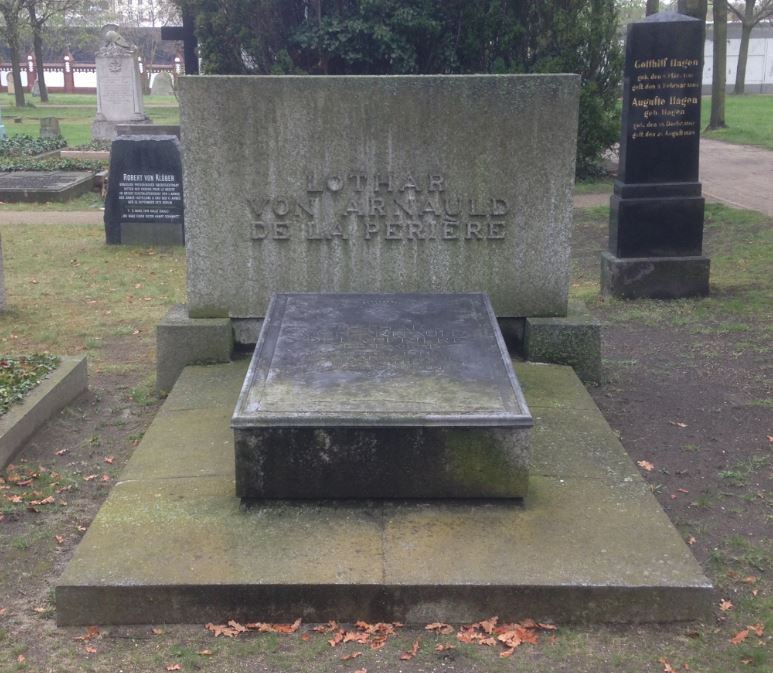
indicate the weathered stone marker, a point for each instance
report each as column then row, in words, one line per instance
column 119, row 88
column 381, row 396
column 144, row 204
column 377, row 184
column 407, row 190
column 656, row 219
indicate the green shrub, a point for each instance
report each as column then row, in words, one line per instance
column 24, row 145
column 425, row 37
column 20, row 375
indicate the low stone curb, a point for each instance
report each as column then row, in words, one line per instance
column 62, row 386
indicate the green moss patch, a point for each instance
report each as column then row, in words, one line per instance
column 20, row 375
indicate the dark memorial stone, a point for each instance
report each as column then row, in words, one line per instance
column 144, row 204
column 381, row 396
column 656, row 211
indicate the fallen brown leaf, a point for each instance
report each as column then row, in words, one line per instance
column 645, row 465
column 62, row 452
column 758, row 629
column 205, row 653
column 442, row 647
column 487, row 625
column 90, row 477
column 90, row 649
column 174, row 667
column 157, row 632
column 678, row 424
column 751, row 579
column 59, row 539
column 91, row 633
column 329, row 627
column 739, row 637
column 230, row 630
column 361, row 670
column 667, row 668
column 263, row 627
column 349, row 657
column 440, row 627
column 410, row 654
column 360, row 637
column 337, row 639
column 109, row 459
column 691, row 540
column 725, row 605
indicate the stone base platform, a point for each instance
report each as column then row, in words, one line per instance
column 654, row 277
column 172, row 543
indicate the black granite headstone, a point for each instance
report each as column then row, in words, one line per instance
column 657, row 209
column 144, row 204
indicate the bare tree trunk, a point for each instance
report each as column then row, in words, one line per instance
column 743, row 54
column 719, row 66
column 653, row 7
column 13, row 46
column 37, row 44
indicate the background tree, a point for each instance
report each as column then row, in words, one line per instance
column 653, row 7
column 40, row 12
column 12, row 12
column 719, row 65
column 749, row 13
column 423, row 37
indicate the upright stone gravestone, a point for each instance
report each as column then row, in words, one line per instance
column 163, row 85
column 656, row 219
column 144, row 204
column 416, row 188
column 119, row 87
column 406, row 191
column 49, row 127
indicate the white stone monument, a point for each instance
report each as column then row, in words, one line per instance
column 119, row 89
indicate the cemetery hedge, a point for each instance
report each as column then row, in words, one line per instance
column 390, row 37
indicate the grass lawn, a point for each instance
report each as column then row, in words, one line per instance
column 75, row 113
column 749, row 120
column 698, row 362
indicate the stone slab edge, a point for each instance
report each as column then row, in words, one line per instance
column 21, row 421
column 574, row 340
column 11, row 195
column 182, row 341
column 125, row 600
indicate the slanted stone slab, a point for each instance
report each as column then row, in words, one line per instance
column 381, row 396
column 584, row 545
column 39, row 186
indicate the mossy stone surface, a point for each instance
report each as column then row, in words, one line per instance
column 584, row 545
